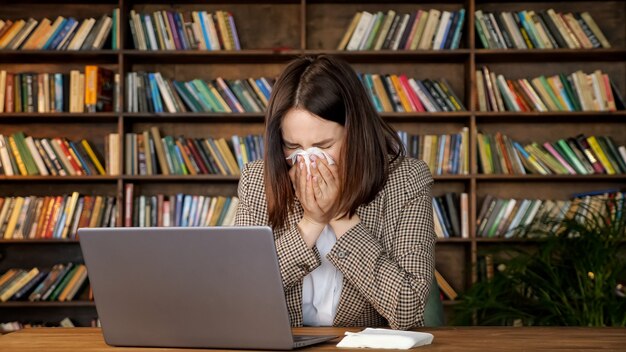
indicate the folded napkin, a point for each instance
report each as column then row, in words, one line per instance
column 385, row 338
column 306, row 155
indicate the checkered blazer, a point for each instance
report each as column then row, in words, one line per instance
column 387, row 260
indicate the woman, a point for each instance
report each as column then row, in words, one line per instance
column 353, row 224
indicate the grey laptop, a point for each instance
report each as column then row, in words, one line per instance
column 211, row 287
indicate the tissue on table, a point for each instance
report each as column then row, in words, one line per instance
column 385, row 338
column 306, row 155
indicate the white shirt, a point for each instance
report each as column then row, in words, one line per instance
column 321, row 288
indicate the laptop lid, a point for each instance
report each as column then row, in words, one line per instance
column 217, row 287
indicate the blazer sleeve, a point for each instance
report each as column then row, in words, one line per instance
column 396, row 281
column 295, row 259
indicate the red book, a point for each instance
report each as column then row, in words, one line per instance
column 196, row 156
column 414, row 98
column 73, row 162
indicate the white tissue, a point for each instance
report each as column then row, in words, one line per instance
column 306, row 155
column 385, row 338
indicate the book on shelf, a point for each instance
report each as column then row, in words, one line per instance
column 180, row 210
column 27, row 156
column 542, row 29
column 451, row 215
column 175, row 30
column 393, row 93
column 419, row 30
column 150, row 92
column 66, row 322
column 445, row 287
column 578, row 155
column 61, row 283
column 54, row 217
column 64, row 33
column 510, row 217
column 95, row 90
column 150, row 153
column 577, row 91
column 446, row 154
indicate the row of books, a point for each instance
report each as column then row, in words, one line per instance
column 446, row 154
column 422, row 29
column 95, row 90
column 178, row 210
column 509, row 217
column 35, row 217
column 393, row 93
column 147, row 153
column 28, row 156
column 61, row 34
column 150, row 92
column 61, row 283
column 546, row 29
column 451, row 215
column 577, row 91
column 579, row 155
column 13, row 326
column 169, row 30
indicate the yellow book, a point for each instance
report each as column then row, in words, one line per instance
column 348, row 33
column 221, row 21
column 44, row 38
column 186, row 159
column 600, row 153
column 91, row 81
column 228, row 155
column 17, row 285
column 445, row 286
column 69, row 214
column 381, row 93
column 209, row 216
column 6, row 276
column 70, row 285
column 545, row 97
column 93, row 157
column 219, row 98
column 97, row 207
column 18, row 157
column 404, row 100
column 216, row 158
column 11, row 33
column 15, row 214
column 218, row 209
column 244, row 153
column 486, row 165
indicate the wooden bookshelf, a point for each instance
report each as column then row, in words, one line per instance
column 271, row 34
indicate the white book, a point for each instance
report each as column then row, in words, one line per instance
column 209, row 23
column 441, row 29
column 103, row 33
column 77, row 42
column 426, row 42
column 401, row 28
column 524, row 205
column 48, row 149
column 169, row 102
column 211, row 211
column 229, row 218
column 30, row 143
column 368, row 30
column 360, row 30
column 141, row 38
column 423, row 97
column 167, row 40
column 504, row 88
column 151, row 34
column 4, row 157
column 512, row 28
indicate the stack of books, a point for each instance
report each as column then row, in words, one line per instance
column 509, row 217
column 538, row 30
column 54, row 217
column 579, row 155
column 150, row 92
column 451, row 215
column 169, row 30
column 62, row 283
column 147, row 153
column 180, row 210
column 574, row 92
column 28, row 156
column 422, row 29
column 61, row 34
column 446, row 154
column 393, row 93
column 95, row 90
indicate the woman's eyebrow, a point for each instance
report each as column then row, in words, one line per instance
column 316, row 144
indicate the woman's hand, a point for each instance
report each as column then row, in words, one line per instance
column 317, row 192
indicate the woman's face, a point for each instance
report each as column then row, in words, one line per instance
column 302, row 130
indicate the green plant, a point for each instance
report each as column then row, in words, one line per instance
column 574, row 276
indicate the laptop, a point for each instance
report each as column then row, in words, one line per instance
column 193, row 287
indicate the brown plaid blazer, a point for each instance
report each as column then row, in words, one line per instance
column 387, row 260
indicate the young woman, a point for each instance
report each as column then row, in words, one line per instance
column 352, row 218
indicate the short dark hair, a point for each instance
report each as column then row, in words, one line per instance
column 328, row 87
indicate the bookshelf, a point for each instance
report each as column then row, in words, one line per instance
column 284, row 30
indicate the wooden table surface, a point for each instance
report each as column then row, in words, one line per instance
column 446, row 339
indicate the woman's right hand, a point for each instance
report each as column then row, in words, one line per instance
column 314, row 219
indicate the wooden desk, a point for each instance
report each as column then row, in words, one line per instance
column 446, row 339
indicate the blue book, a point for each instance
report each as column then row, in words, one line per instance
column 370, row 87
column 205, row 33
column 29, row 286
column 446, row 31
column 178, row 20
column 58, row 92
column 64, row 32
column 237, row 147
column 252, row 152
column 156, row 98
column 179, row 88
column 442, row 146
column 440, row 216
column 595, row 193
column 220, row 219
column 82, row 161
column 54, row 34
column 178, row 211
column 263, row 88
column 458, row 30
